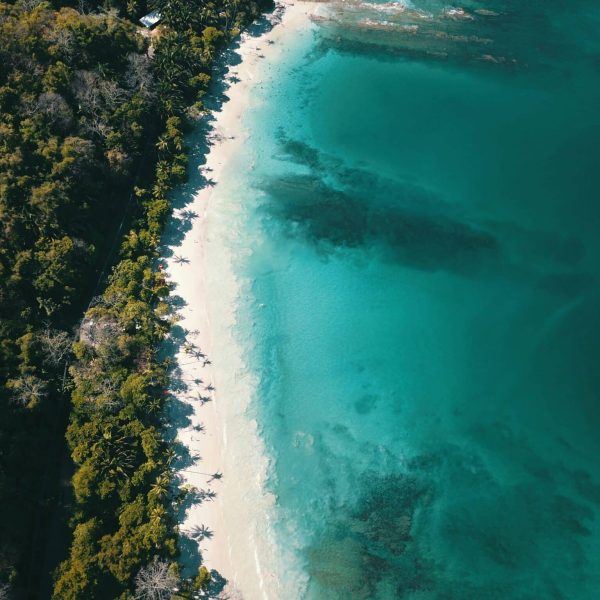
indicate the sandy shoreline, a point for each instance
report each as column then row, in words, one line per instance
column 236, row 530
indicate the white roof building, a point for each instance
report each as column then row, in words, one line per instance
column 151, row 19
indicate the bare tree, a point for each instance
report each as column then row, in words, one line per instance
column 86, row 87
column 108, row 387
column 108, row 300
column 106, row 396
column 139, row 76
column 99, row 331
column 97, row 98
column 28, row 390
column 83, row 7
column 28, row 5
column 112, row 93
column 57, row 345
column 64, row 39
column 155, row 582
column 56, row 109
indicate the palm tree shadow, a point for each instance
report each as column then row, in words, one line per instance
column 183, row 459
column 191, row 498
column 177, row 414
column 176, row 302
column 190, row 556
column 217, row 584
column 178, row 384
column 178, row 334
column 203, row 135
column 201, row 533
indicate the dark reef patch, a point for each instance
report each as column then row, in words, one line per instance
column 337, row 205
column 365, row 404
column 367, row 550
column 505, row 36
column 329, row 218
column 430, row 532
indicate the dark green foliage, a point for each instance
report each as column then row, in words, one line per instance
column 122, row 475
column 203, row 579
column 76, row 99
column 87, row 120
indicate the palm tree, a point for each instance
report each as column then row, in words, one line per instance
column 170, row 456
column 116, row 454
column 157, row 514
column 163, row 172
column 162, row 144
column 154, row 405
column 189, row 347
column 160, row 488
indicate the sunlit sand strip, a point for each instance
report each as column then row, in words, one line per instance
column 225, row 515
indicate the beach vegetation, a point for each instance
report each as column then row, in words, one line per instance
column 92, row 130
column 156, row 581
column 73, row 129
column 203, row 579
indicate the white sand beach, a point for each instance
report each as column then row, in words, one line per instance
column 237, row 542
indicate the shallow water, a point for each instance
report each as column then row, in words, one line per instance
column 422, row 308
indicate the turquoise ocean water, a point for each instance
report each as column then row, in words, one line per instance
column 421, row 198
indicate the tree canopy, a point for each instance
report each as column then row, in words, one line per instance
column 92, row 139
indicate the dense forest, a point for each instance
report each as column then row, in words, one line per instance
column 93, row 111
